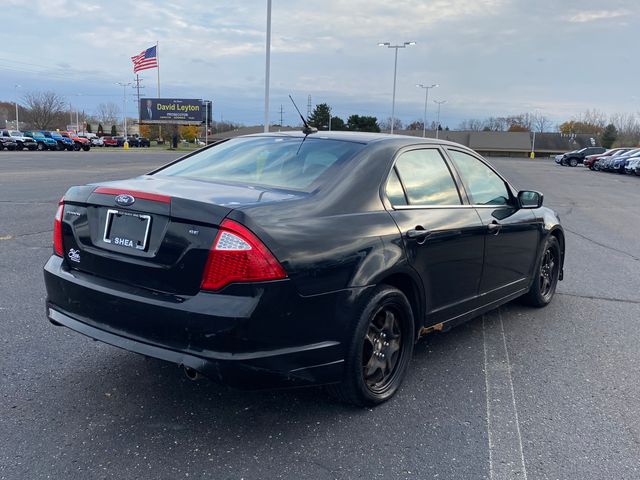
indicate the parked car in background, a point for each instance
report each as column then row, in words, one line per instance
column 559, row 157
column 577, row 157
column 590, row 160
column 22, row 142
column 64, row 143
column 272, row 260
column 632, row 165
column 619, row 163
column 110, row 141
column 97, row 142
column 133, row 141
column 119, row 140
column 79, row 143
column 144, row 142
column 607, row 163
column 44, row 143
column 7, row 143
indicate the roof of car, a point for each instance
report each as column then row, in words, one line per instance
column 360, row 137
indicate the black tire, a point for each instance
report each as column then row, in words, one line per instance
column 379, row 350
column 40, row 147
column 573, row 162
column 86, row 148
column 546, row 276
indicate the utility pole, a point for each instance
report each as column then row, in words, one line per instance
column 439, row 102
column 137, row 84
column 309, row 107
column 267, row 69
column 281, row 115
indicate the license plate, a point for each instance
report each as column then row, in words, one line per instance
column 126, row 229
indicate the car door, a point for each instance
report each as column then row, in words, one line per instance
column 512, row 234
column 443, row 238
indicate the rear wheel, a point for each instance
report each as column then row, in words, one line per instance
column 86, row 148
column 379, row 350
column 547, row 275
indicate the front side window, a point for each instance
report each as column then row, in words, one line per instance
column 426, row 178
column 483, row 185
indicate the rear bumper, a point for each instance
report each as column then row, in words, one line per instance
column 267, row 337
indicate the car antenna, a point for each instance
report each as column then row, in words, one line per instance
column 307, row 128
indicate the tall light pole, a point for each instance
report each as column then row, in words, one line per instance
column 426, row 100
column 267, row 69
column 15, row 88
column 124, row 109
column 395, row 71
column 439, row 102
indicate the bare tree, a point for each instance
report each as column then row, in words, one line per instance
column 386, row 124
column 107, row 113
column 43, row 108
column 540, row 123
column 471, row 124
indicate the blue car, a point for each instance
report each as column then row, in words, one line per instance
column 619, row 163
column 64, row 143
column 44, row 143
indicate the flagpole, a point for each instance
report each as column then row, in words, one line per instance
column 158, row 70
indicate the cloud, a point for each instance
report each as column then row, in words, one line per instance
column 595, row 15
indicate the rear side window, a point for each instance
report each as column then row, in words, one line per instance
column 280, row 162
column 426, row 178
column 483, row 185
column 395, row 192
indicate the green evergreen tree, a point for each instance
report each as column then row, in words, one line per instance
column 363, row 123
column 319, row 118
column 89, row 128
column 114, row 130
column 337, row 124
column 609, row 136
column 100, row 130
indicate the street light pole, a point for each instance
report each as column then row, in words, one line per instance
column 267, row 69
column 426, row 100
column 124, row 110
column 15, row 88
column 439, row 102
column 395, row 72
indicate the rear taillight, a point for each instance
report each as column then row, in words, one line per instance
column 57, row 230
column 238, row 255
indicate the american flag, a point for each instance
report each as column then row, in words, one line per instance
column 145, row 60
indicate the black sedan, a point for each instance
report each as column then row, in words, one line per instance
column 290, row 259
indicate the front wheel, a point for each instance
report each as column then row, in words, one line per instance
column 379, row 350
column 573, row 162
column 546, row 276
column 86, row 148
column 40, row 147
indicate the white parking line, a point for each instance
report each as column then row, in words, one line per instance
column 506, row 455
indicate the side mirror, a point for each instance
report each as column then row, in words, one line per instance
column 530, row 199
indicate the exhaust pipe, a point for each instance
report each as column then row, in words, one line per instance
column 191, row 374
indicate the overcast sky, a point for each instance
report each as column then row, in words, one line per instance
column 491, row 57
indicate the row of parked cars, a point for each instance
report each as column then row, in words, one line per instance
column 618, row 160
column 42, row 140
column 55, row 140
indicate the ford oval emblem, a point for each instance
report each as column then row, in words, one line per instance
column 125, row 200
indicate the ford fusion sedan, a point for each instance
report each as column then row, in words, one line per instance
column 297, row 259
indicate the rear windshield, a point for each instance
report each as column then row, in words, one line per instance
column 279, row 162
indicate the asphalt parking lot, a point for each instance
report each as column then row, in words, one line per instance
column 519, row 393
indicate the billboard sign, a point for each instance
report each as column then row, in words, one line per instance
column 185, row 111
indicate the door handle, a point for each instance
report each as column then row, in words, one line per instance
column 418, row 233
column 494, row 227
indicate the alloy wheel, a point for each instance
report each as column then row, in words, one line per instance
column 382, row 349
column 548, row 273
